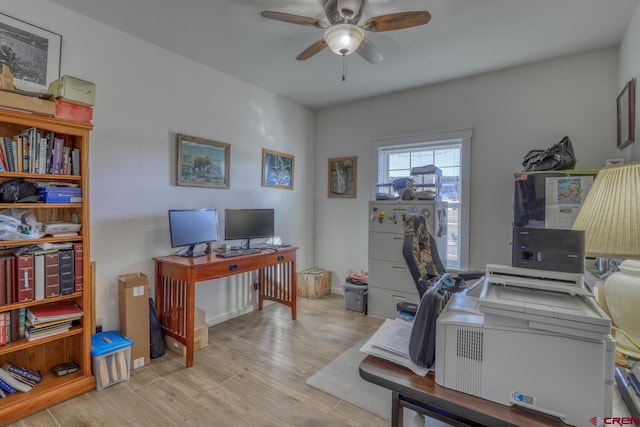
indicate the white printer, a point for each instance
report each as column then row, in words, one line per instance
column 532, row 338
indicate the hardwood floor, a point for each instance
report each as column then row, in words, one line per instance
column 252, row 373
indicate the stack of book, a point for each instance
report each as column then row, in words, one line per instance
column 50, row 319
column 16, row 378
column 38, row 151
column 45, row 271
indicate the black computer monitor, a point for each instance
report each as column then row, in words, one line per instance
column 241, row 224
column 190, row 227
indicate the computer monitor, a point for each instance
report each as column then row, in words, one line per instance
column 191, row 227
column 240, row 224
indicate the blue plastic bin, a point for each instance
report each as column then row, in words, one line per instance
column 111, row 354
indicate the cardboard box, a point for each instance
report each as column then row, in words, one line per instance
column 73, row 111
column 133, row 300
column 314, row 283
column 31, row 104
column 200, row 341
column 74, row 89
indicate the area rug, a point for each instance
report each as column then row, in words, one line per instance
column 341, row 378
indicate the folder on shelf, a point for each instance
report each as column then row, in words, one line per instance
column 61, row 310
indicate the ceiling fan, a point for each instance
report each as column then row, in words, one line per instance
column 343, row 35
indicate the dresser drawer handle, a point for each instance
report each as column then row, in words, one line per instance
column 280, row 257
column 398, row 238
column 396, row 268
column 233, row 267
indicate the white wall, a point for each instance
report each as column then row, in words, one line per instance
column 145, row 95
column 629, row 69
column 510, row 111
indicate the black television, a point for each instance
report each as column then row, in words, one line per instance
column 191, row 227
column 247, row 224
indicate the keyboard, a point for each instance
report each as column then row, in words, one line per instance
column 238, row 252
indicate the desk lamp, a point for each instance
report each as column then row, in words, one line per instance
column 610, row 217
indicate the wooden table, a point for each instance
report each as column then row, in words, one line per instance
column 176, row 277
column 423, row 395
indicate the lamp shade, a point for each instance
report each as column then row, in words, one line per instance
column 610, row 217
column 610, row 214
column 343, row 39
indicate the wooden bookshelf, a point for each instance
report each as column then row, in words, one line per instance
column 74, row 345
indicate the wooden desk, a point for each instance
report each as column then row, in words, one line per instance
column 423, row 395
column 176, row 277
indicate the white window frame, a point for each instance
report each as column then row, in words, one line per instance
column 462, row 135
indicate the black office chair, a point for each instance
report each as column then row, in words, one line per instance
column 421, row 255
column 420, row 252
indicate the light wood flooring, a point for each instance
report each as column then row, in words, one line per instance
column 252, row 373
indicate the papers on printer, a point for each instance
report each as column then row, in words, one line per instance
column 391, row 342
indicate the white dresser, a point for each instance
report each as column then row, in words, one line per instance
column 389, row 279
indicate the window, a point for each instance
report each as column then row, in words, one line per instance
column 449, row 152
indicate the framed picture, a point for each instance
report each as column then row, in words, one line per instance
column 31, row 53
column 626, row 114
column 343, row 177
column 277, row 169
column 203, row 163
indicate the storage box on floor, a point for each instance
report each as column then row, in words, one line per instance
column 111, row 355
column 200, row 335
column 314, row 283
column 133, row 300
column 355, row 297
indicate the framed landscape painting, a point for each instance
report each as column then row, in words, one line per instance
column 277, row 169
column 202, row 162
column 31, row 53
column 626, row 109
column 343, row 177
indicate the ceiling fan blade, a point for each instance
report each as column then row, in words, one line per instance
column 396, row 21
column 369, row 51
column 295, row 19
column 312, row 50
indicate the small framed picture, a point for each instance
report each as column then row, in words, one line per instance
column 31, row 53
column 277, row 169
column 202, row 162
column 343, row 177
column 626, row 108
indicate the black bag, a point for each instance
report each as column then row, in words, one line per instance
column 156, row 335
column 19, row 190
column 558, row 157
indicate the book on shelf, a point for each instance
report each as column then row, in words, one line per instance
column 3, row 328
column 78, row 260
column 23, row 280
column 28, row 374
column 38, row 276
column 21, row 318
column 61, row 310
column 18, row 385
column 34, row 334
column 15, row 325
column 75, row 161
column 52, row 275
column 22, row 379
column 8, row 151
column 3, row 281
column 3, row 158
column 65, row 266
column 10, row 263
column 7, row 387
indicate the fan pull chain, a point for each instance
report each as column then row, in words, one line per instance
column 344, row 68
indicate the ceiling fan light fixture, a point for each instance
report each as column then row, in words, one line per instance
column 343, row 39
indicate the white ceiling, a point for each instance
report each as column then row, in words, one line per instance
column 464, row 37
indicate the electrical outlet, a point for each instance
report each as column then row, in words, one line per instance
column 98, row 325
